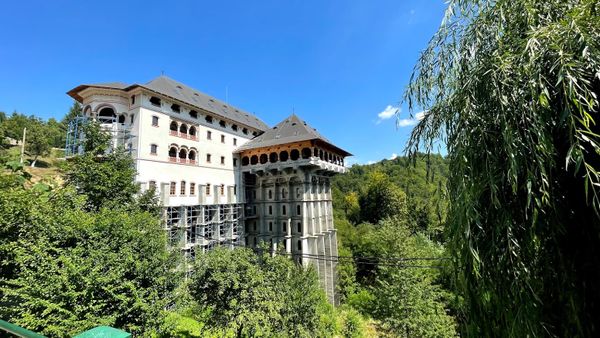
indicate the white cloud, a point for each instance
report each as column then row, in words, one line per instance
column 387, row 113
column 394, row 156
column 371, row 162
column 411, row 121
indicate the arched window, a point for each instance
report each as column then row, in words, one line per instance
column 254, row 159
column 283, row 193
column 245, row 161
column 183, row 129
column 316, row 152
column 87, row 111
column 107, row 115
column 122, row 119
column 306, row 153
column 173, row 128
column 183, row 155
column 321, row 154
column 192, row 132
column 270, row 192
column 273, row 157
column 283, row 156
column 192, row 156
column 295, row 154
column 173, row 154
column 182, row 188
column 263, row 158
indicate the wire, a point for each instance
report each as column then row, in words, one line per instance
column 378, row 261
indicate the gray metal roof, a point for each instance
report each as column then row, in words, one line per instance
column 169, row 87
column 290, row 130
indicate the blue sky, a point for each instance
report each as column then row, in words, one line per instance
column 341, row 65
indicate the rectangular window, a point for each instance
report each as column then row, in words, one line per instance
column 235, row 189
column 283, row 210
column 222, row 138
column 155, row 101
column 222, row 189
column 192, row 189
column 133, row 100
column 207, row 158
column 208, row 135
column 235, row 141
column 153, row 148
column 172, row 188
column 270, row 210
column 222, row 159
column 270, row 226
column 155, row 121
column 207, row 189
column 298, row 210
column 299, row 224
column 182, row 188
column 152, row 185
column 235, row 162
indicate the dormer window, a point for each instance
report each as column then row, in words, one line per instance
column 245, row 131
column 209, row 119
column 176, row 108
column 155, row 101
column 222, row 123
column 234, row 127
column 194, row 114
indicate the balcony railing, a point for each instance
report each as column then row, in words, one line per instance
column 183, row 135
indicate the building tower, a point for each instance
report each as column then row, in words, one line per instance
column 286, row 177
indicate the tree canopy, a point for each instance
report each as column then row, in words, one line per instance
column 511, row 87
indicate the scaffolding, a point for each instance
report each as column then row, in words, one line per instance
column 121, row 136
column 199, row 228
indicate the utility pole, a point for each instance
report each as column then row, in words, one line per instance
column 23, row 143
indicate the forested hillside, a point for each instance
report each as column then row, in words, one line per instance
column 393, row 265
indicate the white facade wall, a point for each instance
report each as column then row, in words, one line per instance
column 157, row 167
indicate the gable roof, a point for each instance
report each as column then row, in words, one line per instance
column 290, row 130
column 168, row 87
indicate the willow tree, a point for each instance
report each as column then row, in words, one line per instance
column 511, row 87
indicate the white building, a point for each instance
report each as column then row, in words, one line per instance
column 221, row 172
